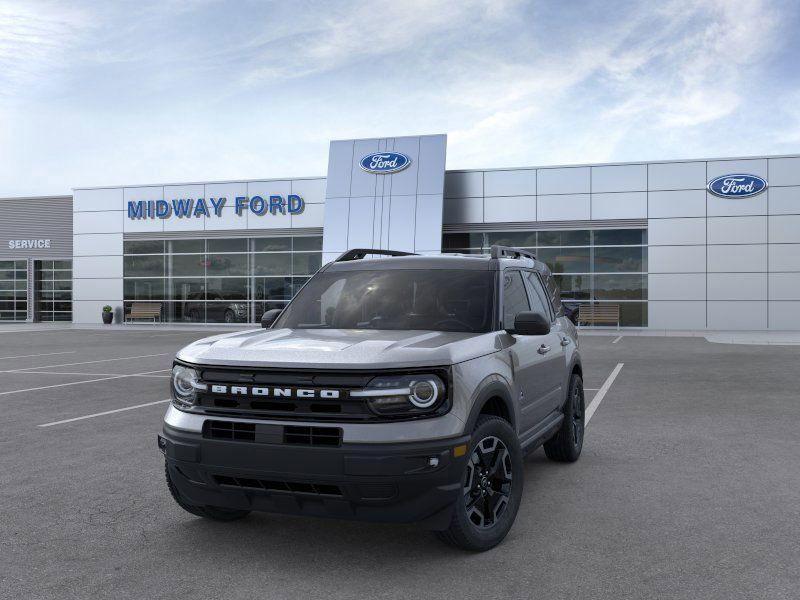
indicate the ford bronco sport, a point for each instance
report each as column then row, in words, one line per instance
column 405, row 388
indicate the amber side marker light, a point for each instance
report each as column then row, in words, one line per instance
column 460, row 450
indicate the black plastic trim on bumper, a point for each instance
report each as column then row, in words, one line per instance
column 373, row 482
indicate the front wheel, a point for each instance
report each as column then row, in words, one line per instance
column 491, row 488
column 567, row 443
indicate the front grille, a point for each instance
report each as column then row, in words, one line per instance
column 266, row 433
column 260, row 394
column 339, row 408
column 290, row 487
column 312, row 436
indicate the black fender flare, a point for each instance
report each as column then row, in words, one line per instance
column 493, row 388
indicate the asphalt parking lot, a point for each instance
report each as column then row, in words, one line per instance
column 687, row 488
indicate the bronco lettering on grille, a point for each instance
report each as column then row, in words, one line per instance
column 274, row 392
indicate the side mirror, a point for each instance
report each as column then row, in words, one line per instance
column 531, row 323
column 571, row 312
column 268, row 318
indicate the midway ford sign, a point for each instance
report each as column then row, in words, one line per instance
column 187, row 208
column 737, row 186
column 384, row 163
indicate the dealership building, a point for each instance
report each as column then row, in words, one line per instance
column 683, row 244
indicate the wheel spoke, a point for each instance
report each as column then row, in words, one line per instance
column 497, row 456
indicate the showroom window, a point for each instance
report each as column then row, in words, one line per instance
column 13, row 290
column 218, row 280
column 53, row 290
column 591, row 266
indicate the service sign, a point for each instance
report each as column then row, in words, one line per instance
column 193, row 208
column 38, row 244
column 737, row 186
column 384, row 163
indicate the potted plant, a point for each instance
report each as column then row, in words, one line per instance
column 108, row 314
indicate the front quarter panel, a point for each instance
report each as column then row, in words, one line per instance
column 476, row 381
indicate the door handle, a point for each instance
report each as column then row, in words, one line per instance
column 543, row 349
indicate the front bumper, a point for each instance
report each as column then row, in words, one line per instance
column 400, row 482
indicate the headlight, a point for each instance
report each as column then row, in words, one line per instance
column 185, row 384
column 404, row 395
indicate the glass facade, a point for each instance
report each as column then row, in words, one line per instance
column 218, row 280
column 13, row 290
column 590, row 266
column 53, row 290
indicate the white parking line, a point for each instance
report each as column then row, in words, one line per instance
column 598, row 397
column 47, row 387
column 88, row 362
column 100, row 414
column 35, row 355
column 616, row 340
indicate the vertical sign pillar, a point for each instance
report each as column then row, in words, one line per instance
column 385, row 193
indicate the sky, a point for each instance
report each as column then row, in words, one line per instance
column 108, row 93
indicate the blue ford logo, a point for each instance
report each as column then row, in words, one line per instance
column 736, row 186
column 384, row 163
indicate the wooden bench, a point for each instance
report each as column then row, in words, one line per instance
column 144, row 310
column 595, row 314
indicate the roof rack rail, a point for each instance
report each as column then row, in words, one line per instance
column 509, row 252
column 359, row 253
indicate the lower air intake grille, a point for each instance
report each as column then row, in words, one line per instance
column 318, row 489
column 312, row 436
column 230, row 430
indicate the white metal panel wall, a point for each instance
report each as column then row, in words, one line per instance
column 100, row 221
column 705, row 253
column 97, row 228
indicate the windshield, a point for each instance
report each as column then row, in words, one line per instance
column 437, row 300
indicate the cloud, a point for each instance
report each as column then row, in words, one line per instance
column 343, row 34
column 101, row 93
column 662, row 68
column 34, row 40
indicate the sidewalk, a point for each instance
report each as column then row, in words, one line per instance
column 780, row 338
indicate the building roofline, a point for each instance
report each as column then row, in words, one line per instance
column 56, row 197
column 490, row 169
column 220, row 181
column 626, row 163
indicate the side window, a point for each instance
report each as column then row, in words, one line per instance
column 515, row 298
column 539, row 301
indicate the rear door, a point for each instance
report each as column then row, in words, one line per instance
column 528, row 354
column 556, row 357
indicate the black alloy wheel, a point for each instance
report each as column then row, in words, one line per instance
column 491, row 487
column 577, row 415
column 567, row 443
column 487, row 488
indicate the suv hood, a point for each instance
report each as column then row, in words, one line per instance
column 339, row 348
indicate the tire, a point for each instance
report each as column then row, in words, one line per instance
column 470, row 529
column 207, row 512
column 567, row 443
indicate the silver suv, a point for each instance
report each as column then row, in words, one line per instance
column 404, row 388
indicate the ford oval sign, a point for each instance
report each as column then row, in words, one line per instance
column 737, row 186
column 384, row 163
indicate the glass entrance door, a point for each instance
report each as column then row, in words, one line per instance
column 13, row 290
column 53, row 290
